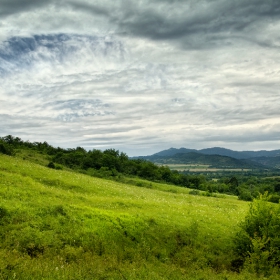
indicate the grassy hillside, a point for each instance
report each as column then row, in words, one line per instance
column 63, row 225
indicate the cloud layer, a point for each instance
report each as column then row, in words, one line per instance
column 141, row 76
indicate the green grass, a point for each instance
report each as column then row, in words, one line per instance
column 57, row 224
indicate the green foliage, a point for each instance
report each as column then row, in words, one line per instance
column 194, row 192
column 274, row 198
column 112, row 164
column 258, row 242
column 3, row 214
column 66, row 225
column 51, row 165
column 245, row 195
column 6, row 149
column 108, row 164
column 58, row 224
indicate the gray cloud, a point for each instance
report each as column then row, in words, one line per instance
column 141, row 76
column 194, row 24
column 17, row 6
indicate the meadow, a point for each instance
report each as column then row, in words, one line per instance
column 59, row 224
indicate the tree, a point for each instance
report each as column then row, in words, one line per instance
column 258, row 241
column 233, row 185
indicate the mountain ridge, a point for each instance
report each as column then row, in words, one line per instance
column 217, row 157
column 220, row 151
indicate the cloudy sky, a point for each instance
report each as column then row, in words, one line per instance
column 141, row 76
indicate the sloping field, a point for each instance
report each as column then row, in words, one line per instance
column 65, row 225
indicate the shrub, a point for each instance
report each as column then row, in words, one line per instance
column 258, row 241
column 245, row 195
column 58, row 167
column 3, row 215
column 51, row 165
column 194, row 192
column 6, row 150
column 31, row 241
column 275, row 198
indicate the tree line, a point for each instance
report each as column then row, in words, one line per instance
column 111, row 161
column 112, row 164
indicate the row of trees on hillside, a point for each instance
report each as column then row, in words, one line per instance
column 112, row 163
column 109, row 160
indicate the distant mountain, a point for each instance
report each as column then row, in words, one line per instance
column 173, row 151
column 215, row 161
column 225, row 152
column 240, row 154
column 221, row 152
column 218, row 157
column 268, row 161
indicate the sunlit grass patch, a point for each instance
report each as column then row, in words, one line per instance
column 58, row 224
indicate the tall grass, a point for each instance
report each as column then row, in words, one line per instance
column 58, row 224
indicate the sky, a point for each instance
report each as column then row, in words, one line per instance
column 141, row 76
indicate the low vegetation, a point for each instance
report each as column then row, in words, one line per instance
column 115, row 165
column 258, row 241
column 58, row 223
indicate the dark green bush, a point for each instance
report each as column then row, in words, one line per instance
column 274, row 198
column 51, row 165
column 58, row 167
column 3, row 212
column 258, row 241
column 245, row 195
column 6, row 150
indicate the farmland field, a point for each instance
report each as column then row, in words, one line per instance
column 202, row 168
